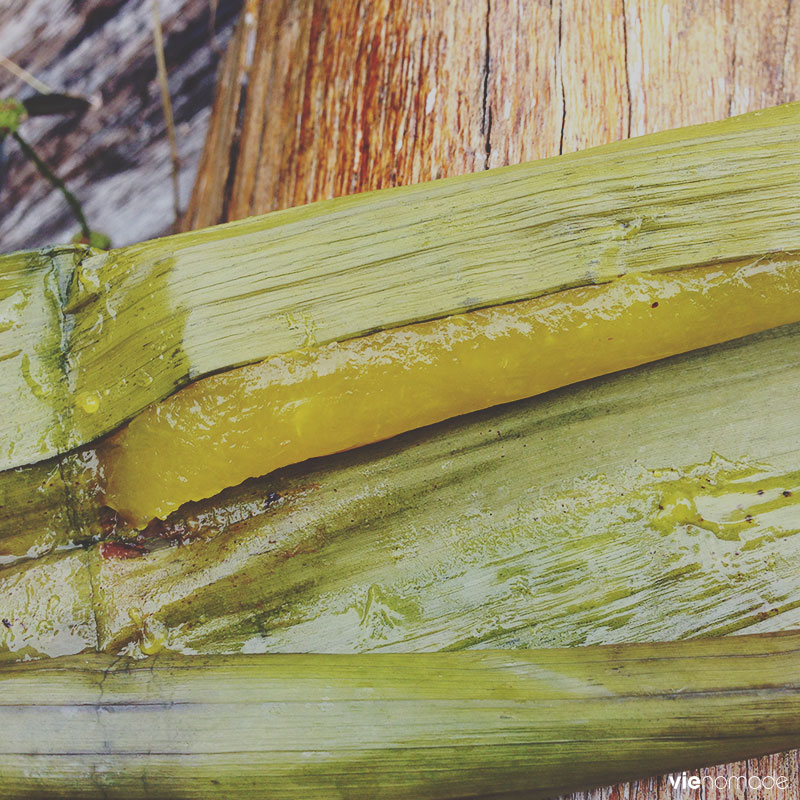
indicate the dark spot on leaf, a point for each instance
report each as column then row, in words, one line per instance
column 119, row 550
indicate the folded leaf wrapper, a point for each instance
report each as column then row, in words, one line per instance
column 90, row 339
column 495, row 724
column 530, row 524
column 659, row 502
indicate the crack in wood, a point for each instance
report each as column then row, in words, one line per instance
column 486, row 121
column 782, row 89
column 560, row 70
column 627, row 70
column 733, row 65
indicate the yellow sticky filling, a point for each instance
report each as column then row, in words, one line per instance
column 252, row 420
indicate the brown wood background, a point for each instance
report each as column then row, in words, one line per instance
column 319, row 98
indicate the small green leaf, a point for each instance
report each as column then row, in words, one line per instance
column 97, row 239
column 12, row 114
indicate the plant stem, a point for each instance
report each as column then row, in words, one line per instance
column 24, row 75
column 166, row 102
column 47, row 173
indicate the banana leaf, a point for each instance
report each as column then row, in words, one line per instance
column 126, row 328
column 491, row 724
column 535, row 524
column 50, row 505
column 658, row 503
column 47, row 607
column 661, row 502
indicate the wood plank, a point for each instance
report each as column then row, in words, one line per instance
column 679, row 62
column 280, row 40
column 525, row 97
column 593, row 72
column 758, row 55
column 115, row 158
column 209, row 201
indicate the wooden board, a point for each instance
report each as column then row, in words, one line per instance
column 354, row 95
column 116, row 157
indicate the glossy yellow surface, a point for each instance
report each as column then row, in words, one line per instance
column 246, row 422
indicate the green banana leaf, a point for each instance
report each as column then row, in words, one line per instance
column 50, row 505
column 128, row 327
column 491, row 724
column 658, row 503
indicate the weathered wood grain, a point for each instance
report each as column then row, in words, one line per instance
column 351, row 96
column 527, row 124
column 116, row 157
column 356, row 96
